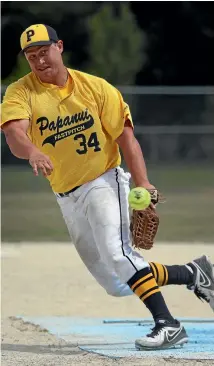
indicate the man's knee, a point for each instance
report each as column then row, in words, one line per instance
column 125, row 267
column 120, row 291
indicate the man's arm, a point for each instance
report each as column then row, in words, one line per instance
column 133, row 157
column 17, row 139
column 21, row 146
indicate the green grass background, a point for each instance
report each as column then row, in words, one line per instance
column 29, row 211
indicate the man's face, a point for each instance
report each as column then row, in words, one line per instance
column 45, row 61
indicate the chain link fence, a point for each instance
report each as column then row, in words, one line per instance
column 173, row 124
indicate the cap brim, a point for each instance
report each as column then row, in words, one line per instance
column 40, row 43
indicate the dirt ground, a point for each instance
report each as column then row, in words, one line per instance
column 50, row 279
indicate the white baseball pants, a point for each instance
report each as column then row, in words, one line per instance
column 97, row 218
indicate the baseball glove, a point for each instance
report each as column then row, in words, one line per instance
column 144, row 223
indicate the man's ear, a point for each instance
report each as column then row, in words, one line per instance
column 60, row 46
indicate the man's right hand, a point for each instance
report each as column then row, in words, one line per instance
column 40, row 161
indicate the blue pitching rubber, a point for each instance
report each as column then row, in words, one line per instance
column 115, row 337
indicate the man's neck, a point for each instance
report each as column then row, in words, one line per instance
column 62, row 77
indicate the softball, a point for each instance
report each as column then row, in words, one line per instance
column 139, row 198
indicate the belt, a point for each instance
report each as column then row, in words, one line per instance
column 67, row 193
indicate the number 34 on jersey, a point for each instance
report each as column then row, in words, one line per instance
column 85, row 144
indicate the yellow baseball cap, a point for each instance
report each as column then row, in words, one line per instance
column 38, row 35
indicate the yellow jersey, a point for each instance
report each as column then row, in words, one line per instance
column 76, row 126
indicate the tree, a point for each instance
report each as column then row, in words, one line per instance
column 55, row 11
column 22, row 68
column 180, row 37
column 116, row 44
column 67, row 17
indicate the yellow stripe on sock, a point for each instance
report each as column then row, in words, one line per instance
column 154, row 270
column 160, row 273
column 150, row 294
column 167, row 276
column 148, row 276
column 145, row 287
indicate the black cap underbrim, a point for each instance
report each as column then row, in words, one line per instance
column 40, row 43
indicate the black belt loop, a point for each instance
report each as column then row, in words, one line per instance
column 65, row 194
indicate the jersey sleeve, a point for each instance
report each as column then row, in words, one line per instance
column 16, row 104
column 114, row 111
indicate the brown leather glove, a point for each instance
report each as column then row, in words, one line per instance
column 145, row 223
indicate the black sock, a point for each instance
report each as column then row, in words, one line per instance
column 172, row 275
column 144, row 285
column 158, row 308
column 179, row 275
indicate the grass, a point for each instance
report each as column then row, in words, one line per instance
column 187, row 217
column 30, row 211
column 32, row 217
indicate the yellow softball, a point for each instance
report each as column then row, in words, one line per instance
column 139, row 198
